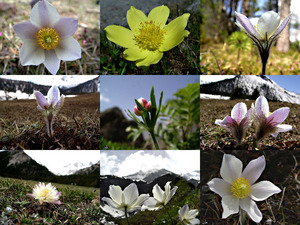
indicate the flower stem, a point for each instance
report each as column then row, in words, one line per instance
column 154, row 139
column 126, row 216
column 242, row 218
column 169, row 215
column 263, row 72
column 49, row 122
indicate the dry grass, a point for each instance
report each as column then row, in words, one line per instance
column 88, row 14
column 76, row 126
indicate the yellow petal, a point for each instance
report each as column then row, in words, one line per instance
column 135, row 17
column 151, row 58
column 134, row 54
column 159, row 14
column 120, row 35
column 175, row 32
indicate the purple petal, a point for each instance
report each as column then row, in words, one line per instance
column 52, row 63
column 43, row 14
column 248, row 26
column 26, row 30
column 57, row 202
column 246, row 122
column 68, row 49
column 278, row 116
column 261, row 108
column 60, row 102
column 66, row 26
column 238, row 112
column 282, row 25
column 31, row 53
column 31, row 195
column 227, row 122
column 41, row 99
column 53, row 95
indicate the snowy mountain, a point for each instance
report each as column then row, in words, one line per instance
column 250, row 86
column 92, row 169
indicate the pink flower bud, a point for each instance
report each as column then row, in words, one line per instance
column 137, row 112
column 142, row 101
column 148, row 106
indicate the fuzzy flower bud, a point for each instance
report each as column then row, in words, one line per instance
column 137, row 111
column 142, row 101
column 148, row 106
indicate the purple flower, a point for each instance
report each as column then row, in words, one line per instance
column 267, row 123
column 47, row 38
column 238, row 123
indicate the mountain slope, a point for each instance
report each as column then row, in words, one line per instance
column 250, row 86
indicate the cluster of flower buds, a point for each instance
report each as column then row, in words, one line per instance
column 145, row 104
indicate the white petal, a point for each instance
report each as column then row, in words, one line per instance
column 220, row 186
column 261, row 108
column 31, row 53
column 254, row 169
column 251, row 209
column 138, row 202
column 52, row 63
column 115, row 192
column 68, row 49
column 268, row 23
column 171, row 194
column 131, row 193
column 239, row 111
column 43, row 14
column 53, row 95
column 150, row 204
column 26, row 30
column 66, row 26
column 231, row 168
column 111, row 203
column 230, row 205
column 158, row 193
column 262, row 190
column 283, row 128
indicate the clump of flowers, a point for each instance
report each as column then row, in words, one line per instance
column 264, row 32
column 148, row 37
column 45, row 193
column 47, row 38
column 50, row 106
column 238, row 123
column 149, row 113
column 188, row 217
column 238, row 188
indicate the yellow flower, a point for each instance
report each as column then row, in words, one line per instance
column 149, row 36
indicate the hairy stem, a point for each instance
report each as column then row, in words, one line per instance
column 154, row 139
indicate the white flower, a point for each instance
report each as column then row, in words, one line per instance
column 47, row 38
column 188, row 216
column 45, row 193
column 238, row 189
column 160, row 198
column 127, row 200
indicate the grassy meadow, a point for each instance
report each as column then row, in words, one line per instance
column 282, row 169
column 215, row 137
column 76, row 125
column 87, row 34
column 80, row 205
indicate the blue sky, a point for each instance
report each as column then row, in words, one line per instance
column 289, row 82
column 121, row 91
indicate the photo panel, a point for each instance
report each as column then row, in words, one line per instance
column 50, row 112
column 150, row 112
column 149, row 37
column 49, row 187
column 161, row 187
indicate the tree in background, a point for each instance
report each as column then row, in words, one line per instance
column 283, row 43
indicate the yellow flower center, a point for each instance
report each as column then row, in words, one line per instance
column 149, row 36
column 47, row 38
column 241, row 187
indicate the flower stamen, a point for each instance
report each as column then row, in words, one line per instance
column 149, row 36
column 241, row 188
column 47, row 38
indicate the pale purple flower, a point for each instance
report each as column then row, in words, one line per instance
column 268, row 124
column 188, row 217
column 238, row 123
column 47, row 38
column 49, row 106
column 238, row 189
column 45, row 193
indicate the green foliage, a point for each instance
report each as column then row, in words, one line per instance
column 183, row 113
column 106, row 145
column 239, row 40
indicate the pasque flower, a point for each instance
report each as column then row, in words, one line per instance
column 148, row 37
column 50, row 106
column 188, row 217
column 238, row 188
column 263, row 31
column 128, row 200
column 267, row 123
column 47, row 38
column 45, row 193
column 238, row 123
column 160, row 198
column 143, row 102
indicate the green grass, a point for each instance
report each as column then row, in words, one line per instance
column 109, row 145
column 80, row 205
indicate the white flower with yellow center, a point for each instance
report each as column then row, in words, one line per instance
column 238, row 188
column 47, row 38
column 45, row 193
